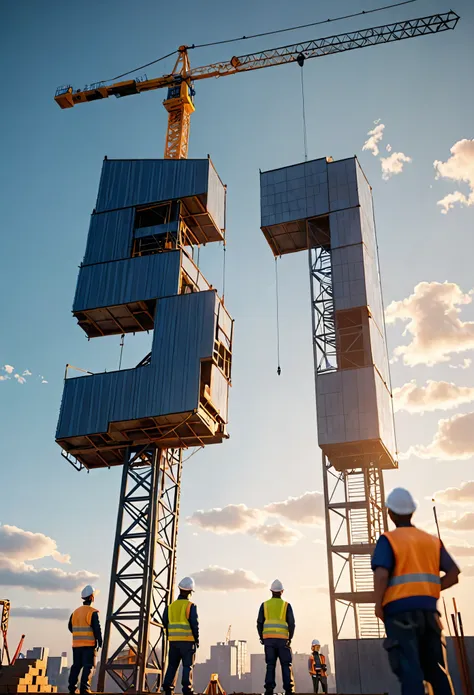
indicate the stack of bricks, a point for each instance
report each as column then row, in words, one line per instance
column 25, row 676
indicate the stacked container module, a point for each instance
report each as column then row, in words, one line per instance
column 327, row 205
column 137, row 275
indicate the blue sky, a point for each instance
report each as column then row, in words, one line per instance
column 51, row 160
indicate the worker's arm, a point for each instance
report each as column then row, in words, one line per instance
column 383, row 562
column 290, row 619
column 449, row 567
column 165, row 619
column 69, row 627
column 95, row 624
column 194, row 623
column 310, row 665
column 260, row 622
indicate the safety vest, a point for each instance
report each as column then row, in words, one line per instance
column 179, row 629
column 275, row 625
column 82, row 632
column 313, row 669
column 417, row 558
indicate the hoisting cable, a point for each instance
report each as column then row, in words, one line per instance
column 122, row 342
column 277, row 317
column 300, row 60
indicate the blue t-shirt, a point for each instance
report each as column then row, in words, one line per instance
column 383, row 557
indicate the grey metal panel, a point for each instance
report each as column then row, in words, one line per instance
column 132, row 280
column 170, row 384
column 294, row 193
column 156, row 229
column 110, row 236
column 342, row 184
column 125, row 183
column 216, row 197
column 219, row 392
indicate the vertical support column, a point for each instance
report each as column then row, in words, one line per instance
column 143, row 570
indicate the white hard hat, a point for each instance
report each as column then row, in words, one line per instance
column 315, row 643
column 187, row 584
column 401, row 502
column 276, row 585
column 87, row 591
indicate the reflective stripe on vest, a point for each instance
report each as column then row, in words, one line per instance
column 82, row 632
column 416, row 571
column 275, row 625
column 179, row 629
column 312, row 665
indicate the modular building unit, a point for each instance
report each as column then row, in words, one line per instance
column 327, row 206
column 137, row 276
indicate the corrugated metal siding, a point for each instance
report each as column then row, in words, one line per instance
column 219, row 392
column 135, row 182
column 170, row 384
column 132, row 280
column 216, row 198
column 110, row 236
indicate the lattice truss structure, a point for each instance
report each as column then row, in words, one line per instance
column 143, row 572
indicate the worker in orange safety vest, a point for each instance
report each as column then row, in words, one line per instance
column 317, row 667
column 86, row 640
column 407, row 563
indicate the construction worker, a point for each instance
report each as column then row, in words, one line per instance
column 317, row 667
column 407, row 563
column 86, row 640
column 276, row 627
column 181, row 622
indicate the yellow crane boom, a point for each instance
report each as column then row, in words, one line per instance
column 179, row 101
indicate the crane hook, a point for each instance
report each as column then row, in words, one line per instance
column 300, row 59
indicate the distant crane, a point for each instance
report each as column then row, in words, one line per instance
column 227, row 637
column 179, row 102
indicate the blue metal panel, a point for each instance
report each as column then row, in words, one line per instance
column 110, row 236
column 184, row 335
column 132, row 280
column 124, row 183
column 216, row 198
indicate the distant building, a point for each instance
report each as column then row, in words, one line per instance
column 57, row 671
column 41, row 653
column 229, row 661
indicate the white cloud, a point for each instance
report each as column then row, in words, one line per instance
column 8, row 369
column 465, row 364
column 432, row 320
column 376, row 135
column 464, row 550
column 26, row 372
column 464, row 523
column 4, row 378
column 43, row 381
column 454, row 440
column 389, row 148
column 17, row 544
column 41, row 613
column 216, row 578
column 13, row 573
column 464, row 494
column 393, row 164
column 234, row 518
column 435, row 395
column 276, row 534
column 317, row 589
column 459, row 167
column 20, row 379
column 308, row 508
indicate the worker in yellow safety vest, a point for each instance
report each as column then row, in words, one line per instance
column 407, row 563
column 180, row 620
column 276, row 626
column 317, row 667
column 86, row 640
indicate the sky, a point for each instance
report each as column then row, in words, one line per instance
column 419, row 91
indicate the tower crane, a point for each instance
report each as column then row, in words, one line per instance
column 179, row 102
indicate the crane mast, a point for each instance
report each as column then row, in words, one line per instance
column 179, row 102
